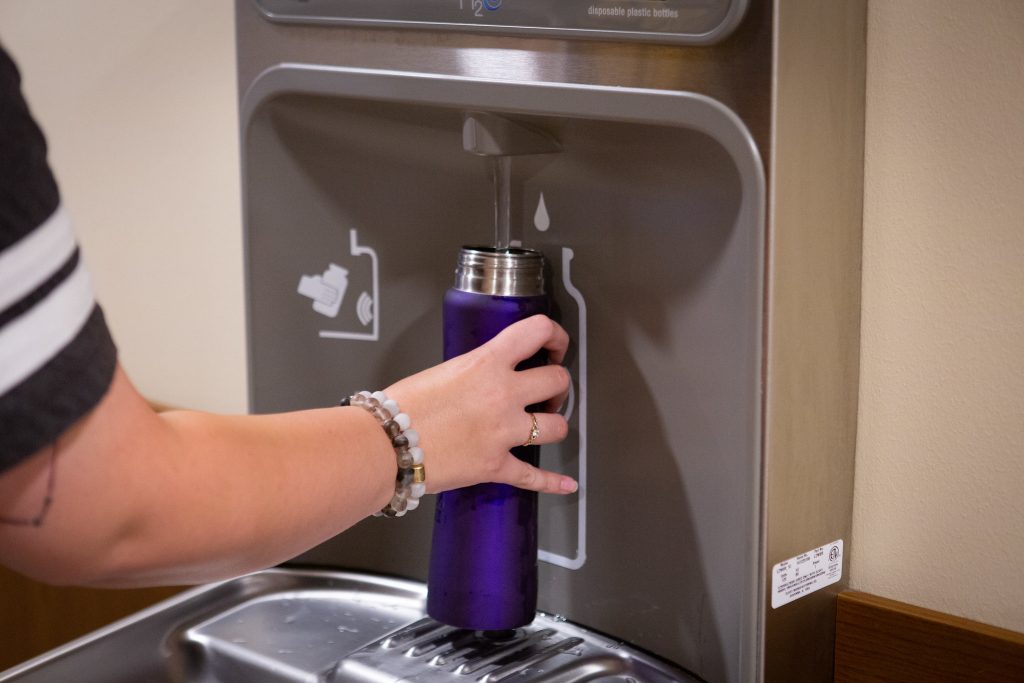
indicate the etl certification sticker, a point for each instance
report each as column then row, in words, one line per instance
column 798, row 576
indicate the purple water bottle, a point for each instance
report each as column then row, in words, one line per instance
column 483, row 562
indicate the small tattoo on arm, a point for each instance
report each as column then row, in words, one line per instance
column 40, row 516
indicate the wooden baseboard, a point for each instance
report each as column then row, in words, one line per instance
column 878, row 639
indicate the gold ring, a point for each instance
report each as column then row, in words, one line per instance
column 534, row 431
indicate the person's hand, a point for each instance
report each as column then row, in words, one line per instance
column 470, row 410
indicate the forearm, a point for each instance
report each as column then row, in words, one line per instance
column 126, row 497
column 244, row 493
column 188, row 497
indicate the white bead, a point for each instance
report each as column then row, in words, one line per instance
column 401, row 513
column 379, row 395
column 417, row 455
column 413, row 436
column 403, row 421
column 391, row 406
column 412, row 504
column 417, row 490
column 365, row 393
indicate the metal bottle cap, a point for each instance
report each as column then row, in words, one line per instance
column 500, row 272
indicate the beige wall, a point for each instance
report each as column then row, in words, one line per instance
column 939, row 499
column 139, row 100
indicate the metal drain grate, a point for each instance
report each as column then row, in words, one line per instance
column 365, row 629
column 464, row 653
column 295, row 626
column 549, row 650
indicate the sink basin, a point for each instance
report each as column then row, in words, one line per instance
column 332, row 627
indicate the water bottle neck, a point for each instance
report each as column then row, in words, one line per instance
column 500, row 272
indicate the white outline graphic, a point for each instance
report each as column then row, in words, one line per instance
column 327, row 290
column 580, row 406
column 364, row 308
column 373, row 310
column 541, row 219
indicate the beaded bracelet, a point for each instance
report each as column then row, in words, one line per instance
column 410, row 481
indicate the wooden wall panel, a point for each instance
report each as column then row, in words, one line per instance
column 881, row 640
column 35, row 617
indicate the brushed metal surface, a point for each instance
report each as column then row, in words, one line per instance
column 736, row 71
column 687, row 465
column 304, row 625
column 505, row 272
column 698, row 22
column 793, row 71
column 813, row 315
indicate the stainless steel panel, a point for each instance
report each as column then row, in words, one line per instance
column 813, row 316
column 641, row 174
column 290, row 626
column 795, row 80
column 735, row 71
column 672, row 21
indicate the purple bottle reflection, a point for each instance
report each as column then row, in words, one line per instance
column 483, row 562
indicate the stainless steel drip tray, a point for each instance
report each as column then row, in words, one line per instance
column 332, row 627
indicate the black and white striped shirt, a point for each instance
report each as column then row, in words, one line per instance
column 56, row 355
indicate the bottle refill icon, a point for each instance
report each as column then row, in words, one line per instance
column 483, row 562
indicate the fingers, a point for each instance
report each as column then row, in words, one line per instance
column 526, row 476
column 477, row 410
column 551, row 428
column 519, row 341
column 547, row 384
column 557, row 343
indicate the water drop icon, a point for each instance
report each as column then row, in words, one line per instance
column 541, row 220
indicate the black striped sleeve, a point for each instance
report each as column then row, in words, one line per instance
column 57, row 358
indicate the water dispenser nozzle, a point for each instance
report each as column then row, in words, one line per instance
column 501, row 138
